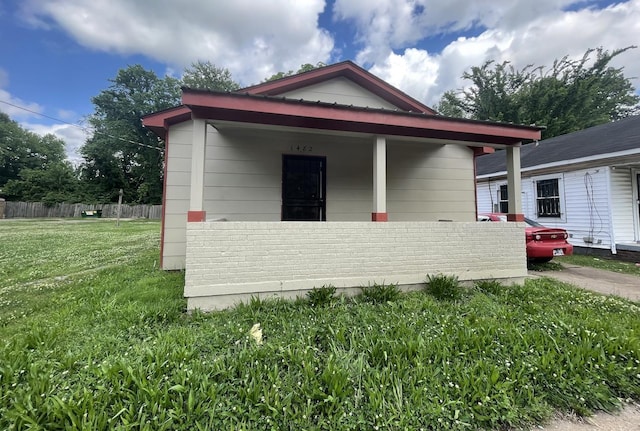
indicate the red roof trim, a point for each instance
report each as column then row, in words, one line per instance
column 286, row 112
column 346, row 69
column 160, row 121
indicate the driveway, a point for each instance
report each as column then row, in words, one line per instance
column 598, row 280
column 608, row 283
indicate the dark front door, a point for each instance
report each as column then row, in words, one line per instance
column 303, row 188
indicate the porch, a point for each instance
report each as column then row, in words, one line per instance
column 228, row 262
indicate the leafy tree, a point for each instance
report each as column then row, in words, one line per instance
column 122, row 153
column 21, row 149
column 205, row 75
column 56, row 183
column 303, row 68
column 569, row 96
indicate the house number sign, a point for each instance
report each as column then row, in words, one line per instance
column 302, row 148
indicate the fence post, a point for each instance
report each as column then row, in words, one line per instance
column 119, row 207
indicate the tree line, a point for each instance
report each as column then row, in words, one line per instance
column 121, row 154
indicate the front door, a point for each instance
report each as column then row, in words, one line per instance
column 303, row 188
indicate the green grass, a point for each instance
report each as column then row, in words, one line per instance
column 107, row 345
column 601, row 263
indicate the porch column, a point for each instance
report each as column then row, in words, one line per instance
column 379, row 179
column 198, row 151
column 514, row 184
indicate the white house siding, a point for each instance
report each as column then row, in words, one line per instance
column 584, row 204
column 342, row 91
column 586, row 208
column 623, row 204
column 176, row 201
column 429, row 182
column 228, row 262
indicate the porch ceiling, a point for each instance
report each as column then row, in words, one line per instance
column 278, row 111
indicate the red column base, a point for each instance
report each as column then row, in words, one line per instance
column 379, row 217
column 196, row 216
column 515, row 217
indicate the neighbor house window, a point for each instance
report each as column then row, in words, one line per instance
column 548, row 198
column 503, row 199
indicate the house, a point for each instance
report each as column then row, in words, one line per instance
column 587, row 182
column 329, row 177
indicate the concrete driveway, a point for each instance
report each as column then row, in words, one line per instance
column 598, row 280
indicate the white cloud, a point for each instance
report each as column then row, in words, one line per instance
column 533, row 33
column 13, row 106
column 74, row 137
column 253, row 39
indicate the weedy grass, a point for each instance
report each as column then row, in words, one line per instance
column 110, row 347
column 444, row 287
column 379, row 293
column 321, row 296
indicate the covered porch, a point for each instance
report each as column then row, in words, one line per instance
column 394, row 192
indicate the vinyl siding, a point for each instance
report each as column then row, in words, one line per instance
column 429, row 182
column 584, row 204
column 623, row 205
column 176, row 200
column 342, row 91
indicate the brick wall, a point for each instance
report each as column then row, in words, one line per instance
column 228, row 262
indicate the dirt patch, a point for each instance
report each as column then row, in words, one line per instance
column 628, row 419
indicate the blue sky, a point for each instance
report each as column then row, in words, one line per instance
column 57, row 54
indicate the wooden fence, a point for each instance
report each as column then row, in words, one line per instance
column 38, row 209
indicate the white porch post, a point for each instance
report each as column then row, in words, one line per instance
column 198, row 151
column 379, row 179
column 514, row 184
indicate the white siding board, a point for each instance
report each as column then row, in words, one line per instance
column 622, row 204
column 176, row 199
column 342, row 91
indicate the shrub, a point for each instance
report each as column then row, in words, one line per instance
column 320, row 296
column 444, row 287
column 489, row 286
column 380, row 293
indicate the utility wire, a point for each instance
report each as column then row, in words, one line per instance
column 84, row 129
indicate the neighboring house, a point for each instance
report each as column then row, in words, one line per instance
column 586, row 182
column 277, row 188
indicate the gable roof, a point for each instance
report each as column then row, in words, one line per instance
column 265, row 104
column 595, row 143
column 346, row 69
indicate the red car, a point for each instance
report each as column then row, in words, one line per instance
column 543, row 243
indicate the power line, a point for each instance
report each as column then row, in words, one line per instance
column 84, row 129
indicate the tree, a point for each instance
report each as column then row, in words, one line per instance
column 204, row 75
column 569, row 96
column 21, row 149
column 122, row 154
column 303, row 68
column 56, row 183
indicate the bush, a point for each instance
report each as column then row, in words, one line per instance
column 320, row 296
column 380, row 293
column 444, row 287
column 489, row 286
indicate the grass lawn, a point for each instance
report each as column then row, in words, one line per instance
column 94, row 336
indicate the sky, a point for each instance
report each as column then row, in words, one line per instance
column 55, row 55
